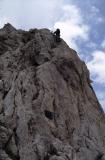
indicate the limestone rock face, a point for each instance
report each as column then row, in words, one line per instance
column 48, row 108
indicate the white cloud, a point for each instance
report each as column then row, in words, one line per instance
column 9, row 12
column 97, row 66
column 101, row 97
column 72, row 26
column 94, row 10
column 91, row 45
column 28, row 14
column 95, row 14
column 103, row 44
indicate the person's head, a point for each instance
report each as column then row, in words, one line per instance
column 58, row 30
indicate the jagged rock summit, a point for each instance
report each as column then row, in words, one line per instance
column 48, row 109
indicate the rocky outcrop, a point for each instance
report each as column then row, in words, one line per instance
column 48, row 109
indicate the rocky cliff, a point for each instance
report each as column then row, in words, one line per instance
column 48, row 108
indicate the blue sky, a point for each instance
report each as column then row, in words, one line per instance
column 82, row 25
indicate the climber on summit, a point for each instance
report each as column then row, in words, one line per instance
column 57, row 35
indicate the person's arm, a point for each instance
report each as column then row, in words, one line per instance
column 55, row 32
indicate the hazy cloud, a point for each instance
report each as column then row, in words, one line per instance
column 29, row 13
column 97, row 66
column 101, row 97
column 72, row 25
column 103, row 44
column 95, row 13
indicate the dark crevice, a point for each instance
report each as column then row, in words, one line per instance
column 16, row 137
column 80, row 110
column 47, row 157
column 36, row 95
column 52, row 151
column 55, row 114
column 16, row 141
column 10, row 155
column 69, row 131
column 36, row 83
column 8, row 150
column 5, row 94
column 15, row 106
column 49, row 115
column 2, row 112
column 99, row 157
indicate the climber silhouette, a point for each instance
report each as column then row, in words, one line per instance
column 57, row 35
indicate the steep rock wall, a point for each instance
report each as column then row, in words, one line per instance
column 48, row 108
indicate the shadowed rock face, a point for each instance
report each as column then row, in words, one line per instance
column 48, row 109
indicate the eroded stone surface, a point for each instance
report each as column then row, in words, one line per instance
column 37, row 75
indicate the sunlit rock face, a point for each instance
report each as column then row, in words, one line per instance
column 48, row 109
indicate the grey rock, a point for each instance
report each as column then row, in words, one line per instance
column 37, row 74
column 103, row 157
